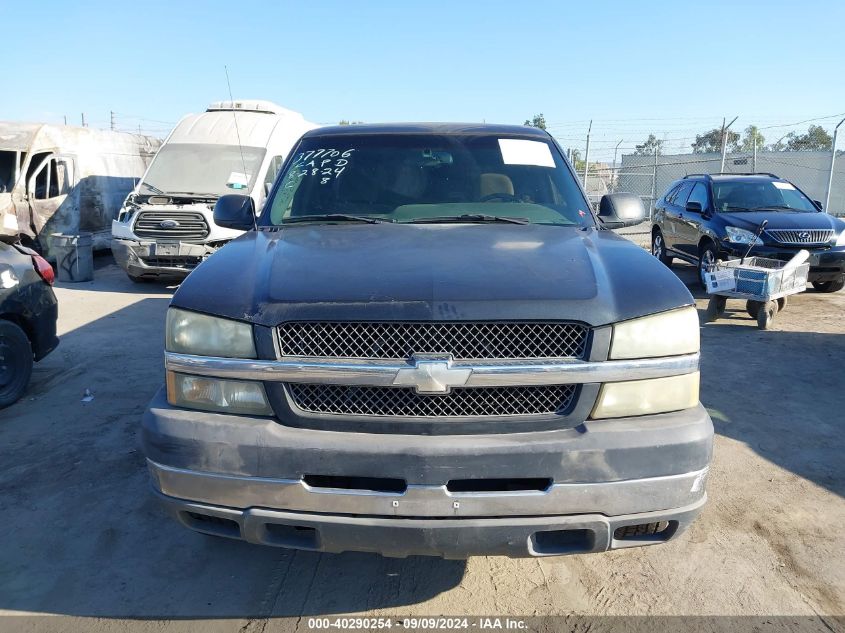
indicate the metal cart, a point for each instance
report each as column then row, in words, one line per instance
column 764, row 283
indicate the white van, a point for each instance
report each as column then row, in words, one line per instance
column 166, row 227
column 66, row 179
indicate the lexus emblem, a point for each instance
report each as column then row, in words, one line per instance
column 804, row 236
column 432, row 375
column 168, row 224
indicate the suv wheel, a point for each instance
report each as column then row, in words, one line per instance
column 658, row 247
column 829, row 286
column 15, row 363
column 706, row 258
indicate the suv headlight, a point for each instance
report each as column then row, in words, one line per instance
column 666, row 334
column 840, row 241
column 741, row 236
column 203, row 335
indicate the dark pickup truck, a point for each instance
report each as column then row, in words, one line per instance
column 429, row 344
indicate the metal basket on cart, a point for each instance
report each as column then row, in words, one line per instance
column 764, row 283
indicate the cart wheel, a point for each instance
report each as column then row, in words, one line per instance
column 715, row 308
column 782, row 303
column 766, row 315
column 752, row 308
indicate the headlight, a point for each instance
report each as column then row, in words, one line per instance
column 840, row 241
column 194, row 333
column 741, row 236
column 216, row 394
column 645, row 397
column 665, row 334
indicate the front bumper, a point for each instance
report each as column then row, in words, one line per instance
column 254, row 474
column 826, row 264
column 153, row 259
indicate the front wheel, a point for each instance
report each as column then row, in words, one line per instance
column 706, row 260
column 15, row 363
column 766, row 315
column 829, row 286
column 658, row 248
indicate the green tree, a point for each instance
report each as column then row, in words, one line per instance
column 747, row 144
column 538, row 121
column 711, row 141
column 651, row 145
column 815, row 139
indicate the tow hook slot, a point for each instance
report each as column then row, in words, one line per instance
column 522, row 484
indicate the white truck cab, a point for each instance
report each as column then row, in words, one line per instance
column 166, row 226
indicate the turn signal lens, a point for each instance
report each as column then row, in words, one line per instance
column 214, row 394
column 645, row 397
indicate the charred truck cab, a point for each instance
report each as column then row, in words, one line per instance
column 166, row 228
column 431, row 345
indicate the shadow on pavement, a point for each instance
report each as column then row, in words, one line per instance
column 83, row 535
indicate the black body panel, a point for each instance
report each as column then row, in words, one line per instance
column 431, row 272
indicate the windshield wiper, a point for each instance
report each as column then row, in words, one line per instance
column 468, row 217
column 775, row 207
column 195, row 194
column 733, row 207
column 334, row 217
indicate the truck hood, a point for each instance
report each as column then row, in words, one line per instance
column 431, row 272
column 751, row 220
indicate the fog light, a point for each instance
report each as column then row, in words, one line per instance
column 215, row 394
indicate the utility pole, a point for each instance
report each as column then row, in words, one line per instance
column 832, row 163
column 111, row 112
column 83, row 119
column 725, row 141
column 587, row 155
column 65, row 119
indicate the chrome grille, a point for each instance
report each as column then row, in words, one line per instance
column 189, row 225
column 406, row 402
column 463, row 340
column 801, row 237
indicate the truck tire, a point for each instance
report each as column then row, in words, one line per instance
column 715, row 308
column 829, row 286
column 15, row 363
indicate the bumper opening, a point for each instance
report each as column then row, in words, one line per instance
column 210, row 524
column 292, row 536
column 365, row 484
column 556, row 542
column 522, row 484
column 644, row 533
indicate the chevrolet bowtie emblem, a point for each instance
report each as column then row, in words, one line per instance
column 432, row 375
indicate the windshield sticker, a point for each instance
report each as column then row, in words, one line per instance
column 784, row 185
column 524, row 152
column 237, row 180
column 325, row 164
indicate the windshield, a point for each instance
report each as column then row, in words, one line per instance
column 745, row 195
column 202, row 169
column 428, row 177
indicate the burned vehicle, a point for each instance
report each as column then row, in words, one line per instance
column 65, row 179
column 431, row 345
column 166, row 228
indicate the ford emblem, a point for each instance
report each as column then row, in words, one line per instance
column 168, row 224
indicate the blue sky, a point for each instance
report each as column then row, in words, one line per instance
column 672, row 68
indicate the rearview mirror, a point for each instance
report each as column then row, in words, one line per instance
column 234, row 211
column 621, row 209
column 693, row 207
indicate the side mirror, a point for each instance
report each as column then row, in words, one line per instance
column 693, row 207
column 621, row 209
column 234, row 211
column 819, row 204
